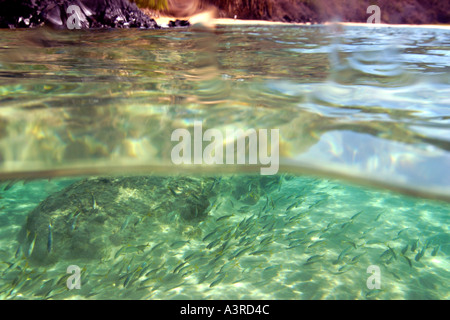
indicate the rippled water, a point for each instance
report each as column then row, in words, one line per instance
column 367, row 105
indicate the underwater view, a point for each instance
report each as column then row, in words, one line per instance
column 356, row 204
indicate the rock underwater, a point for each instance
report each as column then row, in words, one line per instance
column 84, row 14
column 90, row 219
column 86, row 219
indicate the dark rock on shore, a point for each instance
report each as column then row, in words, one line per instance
column 62, row 14
column 178, row 23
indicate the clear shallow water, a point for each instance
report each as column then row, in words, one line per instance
column 274, row 238
column 366, row 104
column 369, row 104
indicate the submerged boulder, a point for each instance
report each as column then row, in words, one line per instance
column 98, row 219
column 73, row 14
column 87, row 219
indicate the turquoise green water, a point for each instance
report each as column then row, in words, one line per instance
column 364, row 175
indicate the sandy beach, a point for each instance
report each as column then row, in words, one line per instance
column 208, row 19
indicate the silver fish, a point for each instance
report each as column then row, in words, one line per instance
column 50, row 238
column 31, row 247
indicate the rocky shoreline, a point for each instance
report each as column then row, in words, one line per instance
column 317, row 11
column 76, row 14
column 320, row 11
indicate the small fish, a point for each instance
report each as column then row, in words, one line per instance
column 224, row 217
column 156, row 246
column 119, row 252
column 405, row 249
column 258, row 252
column 312, row 232
column 356, row 258
column 50, row 238
column 368, row 230
column 346, row 224
column 272, row 203
column 31, row 247
column 314, row 259
column 129, row 264
column 185, row 274
column 18, row 251
column 356, row 215
column 392, row 252
column 267, row 203
column 12, row 266
column 191, row 256
column 271, row 271
column 172, row 191
column 128, row 279
column 345, row 268
column 213, row 185
column 378, row 216
column 209, row 235
column 373, row 241
column 401, row 231
column 295, row 234
column 428, row 244
column 343, row 254
column 435, row 251
column 217, row 281
column 414, row 245
column 296, row 243
column 269, row 226
column 153, row 271
column 218, row 205
column 266, row 240
column 139, row 220
column 353, row 244
column 74, row 223
column 280, row 182
column 296, row 216
column 179, row 267
column 420, row 254
column 240, row 252
column 45, row 289
column 386, row 255
column 317, row 243
column 316, row 204
column 226, row 235
column 407, row 260
column 213, row 244
column 249, row 241
column 396, row 276
column 143, row 268
column 62, row 280
column 125, row 223
column 224, row 246
column 179, row 244
column 373, row 293
column 141, row 248
column 329, row 226
column 291, row 206
column 94, row 202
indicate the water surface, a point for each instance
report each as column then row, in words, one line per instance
column 368, row 105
